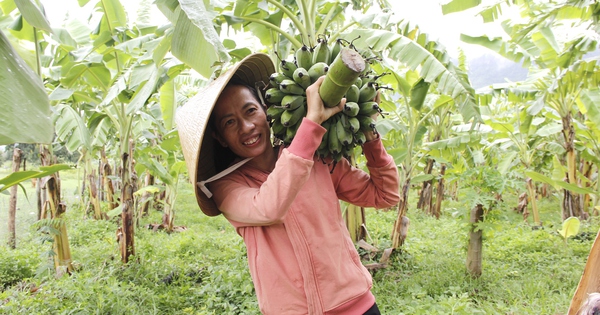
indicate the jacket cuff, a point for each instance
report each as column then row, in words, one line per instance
column 376, row 154
column 307, row 139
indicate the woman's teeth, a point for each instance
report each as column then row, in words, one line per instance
column 251, row 141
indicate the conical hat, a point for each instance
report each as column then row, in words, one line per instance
column 195, row 133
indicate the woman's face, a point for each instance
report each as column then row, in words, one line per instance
column 241, row 122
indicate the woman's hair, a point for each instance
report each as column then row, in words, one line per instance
column 224, row 156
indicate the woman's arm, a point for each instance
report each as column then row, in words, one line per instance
column 379, row 188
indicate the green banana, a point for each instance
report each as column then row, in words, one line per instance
column 344, row 136
column 287, row 68
column 367, row 78
column 304, row 57
column 337, row 156
column 368, row 108
column 351, row 109
column 322, row 153
column 335, row 49
column 335, row 146
column 367, row 92
column 366, row 123
column 372, row 77
column 290, row 133
column 358, row 82
column 353, row 124
column 323, row 145
column 292, row 117
column 276, row 78
column 367, row 65
column 291, row 101
column 278, row 129
column 322, row 52
column 301, row 77
column 274, row 112
column 347, row 152
column 352, row 93
column 317, row 70
column 360, row 138
column 274, row 95
column 291, row 87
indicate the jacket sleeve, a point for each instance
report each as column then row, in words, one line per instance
column 379, row 188
column 269, row 203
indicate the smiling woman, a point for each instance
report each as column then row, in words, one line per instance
column 283, row 200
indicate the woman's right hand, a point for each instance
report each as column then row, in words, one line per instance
column 316, row 110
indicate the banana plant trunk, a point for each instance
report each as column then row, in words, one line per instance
column 126, row 231
column 94, row 196
column 168, row 212
column 400, row 230
column 426, row 195
column 147, row 196
column 107, row 182
column 40, row 193
column 12, row 204
column 355, row 222
column 355, row 217
column 571, row 201
column 586, row 171
column 55, row 207
column 39, row 201
column 531, row 191
column 475, row 249
column 437, row 209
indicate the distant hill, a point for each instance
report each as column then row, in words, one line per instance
column 488, row 69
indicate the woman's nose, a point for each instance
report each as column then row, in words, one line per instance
column 247, row 125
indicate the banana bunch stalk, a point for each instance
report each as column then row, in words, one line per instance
column 347, row 74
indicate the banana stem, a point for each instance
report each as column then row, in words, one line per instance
column 343, row 71
column 312, row 9
column 345, row 27
column 291, row 38
column 309, row 35
column 291, row 15
column 327, row 18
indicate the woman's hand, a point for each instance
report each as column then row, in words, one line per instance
column 316, row 110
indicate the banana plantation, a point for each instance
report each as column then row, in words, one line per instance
column 104, row 87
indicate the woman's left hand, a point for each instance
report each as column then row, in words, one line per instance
column 316, row 110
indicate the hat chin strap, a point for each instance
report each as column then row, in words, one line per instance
column 202, row 184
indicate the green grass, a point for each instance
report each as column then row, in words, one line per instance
column 203, row 270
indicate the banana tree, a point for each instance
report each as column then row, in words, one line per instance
column 591, row 101
column 104, row 74
column 168, row 168
column 553, row 43
column 439, row 122
column 520, row 136
column 29, row 25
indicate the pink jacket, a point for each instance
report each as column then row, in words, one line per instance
column 300, row 254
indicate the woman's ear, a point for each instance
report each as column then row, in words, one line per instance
column 217, row 137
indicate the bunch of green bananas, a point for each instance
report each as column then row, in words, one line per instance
column 287, row 100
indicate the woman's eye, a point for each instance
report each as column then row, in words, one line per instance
column 229, row 122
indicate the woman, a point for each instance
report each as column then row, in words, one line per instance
column 284, row 201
